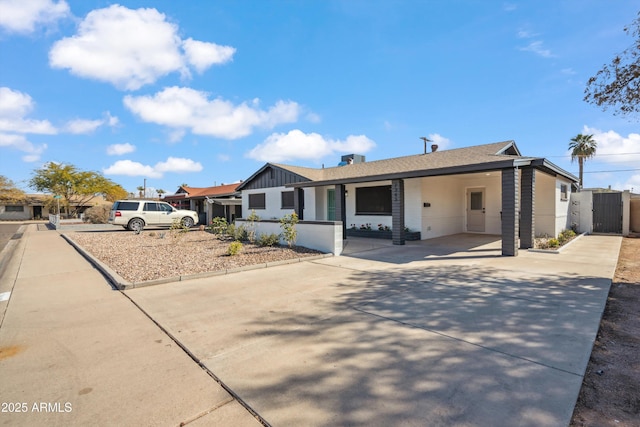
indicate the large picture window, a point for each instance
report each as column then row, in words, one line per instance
column 10, row 208
column 287, row 200
column 257, row 201
column 373, row 200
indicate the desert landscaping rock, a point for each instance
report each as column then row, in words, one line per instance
column 149, row 256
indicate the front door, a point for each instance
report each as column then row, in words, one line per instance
column 331, row 204
column 475, row 210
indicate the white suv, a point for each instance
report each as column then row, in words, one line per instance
column 135, row 214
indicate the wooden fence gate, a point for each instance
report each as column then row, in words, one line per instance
column 607, row 213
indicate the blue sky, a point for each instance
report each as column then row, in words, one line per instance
column 206, row 92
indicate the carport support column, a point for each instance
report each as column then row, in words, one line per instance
column 527, row 206
column 341, row 211
column 397, row 211
column 510, row 202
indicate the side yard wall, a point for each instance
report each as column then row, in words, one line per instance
column 634, row 214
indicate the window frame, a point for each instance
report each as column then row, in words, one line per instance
column 282, row 200
column 364, row 195
column 564, row 195
column 255, row 204
column 14, row 208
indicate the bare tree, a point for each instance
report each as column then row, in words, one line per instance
column 617, row 85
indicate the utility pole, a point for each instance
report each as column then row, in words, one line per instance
column 425, row 139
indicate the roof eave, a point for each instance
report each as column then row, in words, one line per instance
column 552, row 169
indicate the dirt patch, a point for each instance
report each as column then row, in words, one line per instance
column 610, row 393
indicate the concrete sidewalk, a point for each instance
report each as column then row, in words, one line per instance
column 439, row 332
column 75, row 352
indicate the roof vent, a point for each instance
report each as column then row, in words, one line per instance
column 349, row 159
column 434, row 148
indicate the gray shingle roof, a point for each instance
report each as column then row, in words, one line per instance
column 460, row 160
column 445, row 159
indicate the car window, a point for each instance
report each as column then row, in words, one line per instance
column 125, row 206
column 165, row 207
column 153, row 207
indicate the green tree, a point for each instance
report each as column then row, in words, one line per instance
column 582, row 147
column 160, row 192
column 9, row 192
column 73, row 185
column 617, row 85
column 288, row 225
column 140, row 189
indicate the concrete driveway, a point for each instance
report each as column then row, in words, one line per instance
column 439, row 332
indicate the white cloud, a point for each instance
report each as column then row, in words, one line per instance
column 120, row 149
column 442, row 142
column 130, row 168
column 280, row 147
column 185, row 108
column 20, row 143
column 86, row 126
column 83, row 126
column 633, row 183
column 615, row 148
column 537, row 48
column 14, row 106
column 223, row 157
column 526, row 34
column 202, row 55
column 21, row 16
column 172, row 164
column 131, row 48
column 313, row 117
column 178, row 165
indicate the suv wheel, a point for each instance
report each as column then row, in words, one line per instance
column 136, row 224
column 187, row 222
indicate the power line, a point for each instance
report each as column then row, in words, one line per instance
column 616, row 170
column 598, row 155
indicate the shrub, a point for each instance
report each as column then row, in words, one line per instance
column 178, row 229
column 565, row 236
column 237, row 233
column 288, row 225
column 219, row 226
column 553, row 243
column 272, row 239
column 234, row 248
column 251, row 226
column 97, row 214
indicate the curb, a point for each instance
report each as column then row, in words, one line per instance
column 119, row 283
column 7, row 252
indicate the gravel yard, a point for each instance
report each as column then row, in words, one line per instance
column 153, row 255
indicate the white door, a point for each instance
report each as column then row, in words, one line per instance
column 475, row 209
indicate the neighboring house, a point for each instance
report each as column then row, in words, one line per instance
column 35, row 207
column 209, row 202
column 489, row 188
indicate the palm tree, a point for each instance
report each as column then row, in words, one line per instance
column 160, row 192
column 582, row 147
column 140, row 190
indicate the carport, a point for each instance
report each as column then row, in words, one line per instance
column 518, row 198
